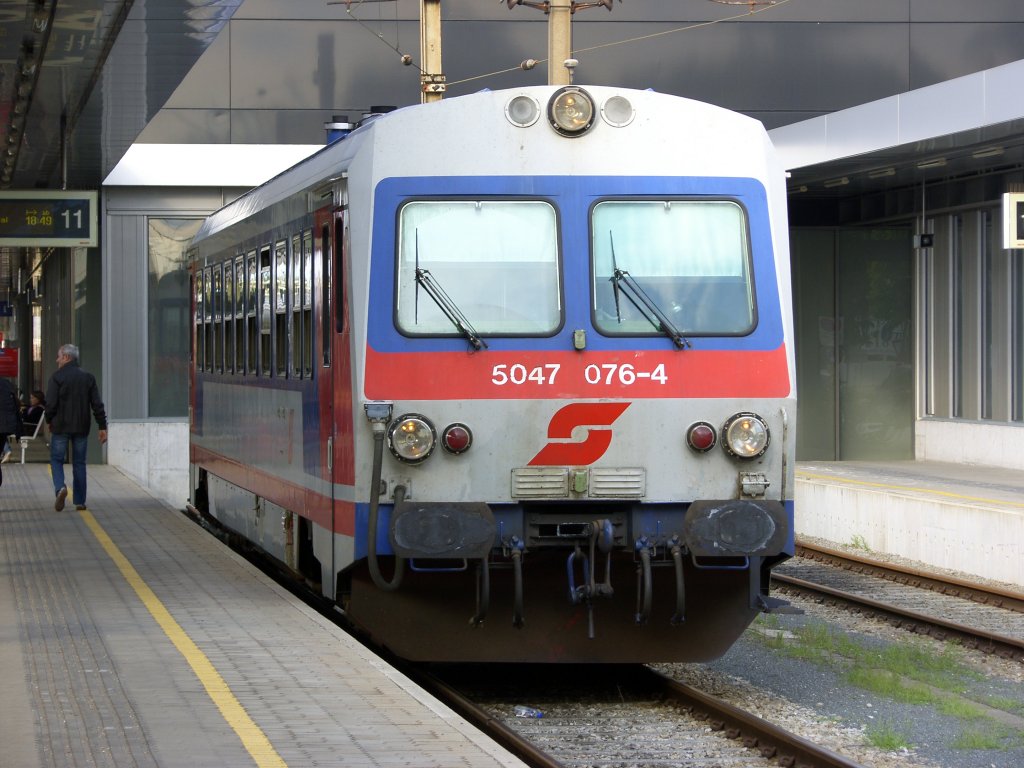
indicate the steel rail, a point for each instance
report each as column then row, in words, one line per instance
column 941, row 629
column 477, row 716
column 946, row 585
column 772, row 741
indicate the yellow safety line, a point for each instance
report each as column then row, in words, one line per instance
column 950, row 494
column 253, row 739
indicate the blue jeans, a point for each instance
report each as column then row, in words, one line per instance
column 58, row 450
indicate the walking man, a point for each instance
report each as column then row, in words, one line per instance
column 70, row 394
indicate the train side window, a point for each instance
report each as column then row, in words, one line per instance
column 218, row 318
column 229, row 317
column 296, row 313
column 339, row 277
column 325, row 293
column 265, row 313
column 208, row 319
column 281, row 355
column 307, row 303
column 252, row 329
column 239, row 319
column 200, row 330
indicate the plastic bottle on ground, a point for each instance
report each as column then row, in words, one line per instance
column 522, row 711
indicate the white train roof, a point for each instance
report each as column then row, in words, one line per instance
column 420, row 141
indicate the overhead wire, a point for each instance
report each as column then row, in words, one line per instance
column 629, row 40
column 404, row 57
column 641, row 38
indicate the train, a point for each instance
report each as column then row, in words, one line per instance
column 509, row 377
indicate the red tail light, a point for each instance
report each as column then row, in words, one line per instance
column 701, row 437
column 456, row 438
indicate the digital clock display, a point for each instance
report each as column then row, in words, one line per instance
column 56, row 218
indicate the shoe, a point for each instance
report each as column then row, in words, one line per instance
column 62, row 494
column 80, row 507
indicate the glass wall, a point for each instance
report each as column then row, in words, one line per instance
column 876, row 365
column 853, row 297
column 972, row 321
column 813, row 261
column 168, row 331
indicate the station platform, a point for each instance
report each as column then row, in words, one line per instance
column 962, row 518
column 131, row 637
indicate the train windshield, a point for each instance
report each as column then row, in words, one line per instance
column 689, row 259
column 496, row 260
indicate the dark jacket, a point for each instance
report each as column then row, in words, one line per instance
column 10, row 409
column 32, row 415
column 70, row 394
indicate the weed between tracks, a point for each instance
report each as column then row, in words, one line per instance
column 887, row 736
column 909, row 672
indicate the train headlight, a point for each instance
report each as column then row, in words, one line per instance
column 522, row 111
column 745, row 436
column 456, row 438
column 571, row 111
column 618, row 112
column 701, row 437
column 411, row 438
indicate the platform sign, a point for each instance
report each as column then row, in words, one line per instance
column 9, row 362
column 48, row 218
column 1013, row 220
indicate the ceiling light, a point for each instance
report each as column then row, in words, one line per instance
column 987, row 152
column 841, row 182
column 881, row 173
column 938, row 162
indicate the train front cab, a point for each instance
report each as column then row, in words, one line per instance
column 564, row 569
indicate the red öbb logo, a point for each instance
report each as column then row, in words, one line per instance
column 597, row 417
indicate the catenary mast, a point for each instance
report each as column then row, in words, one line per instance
column 432, row 81
column 560, row 61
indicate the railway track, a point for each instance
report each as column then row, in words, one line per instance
column 648, row 718
column 620, row 715
column 986, row 619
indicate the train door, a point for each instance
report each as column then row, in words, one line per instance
column 334, row 386
column 323, row 257
column 344, row 451
column 195, row 306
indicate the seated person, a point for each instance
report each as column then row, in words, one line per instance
column 30, row 419
column 34, row 413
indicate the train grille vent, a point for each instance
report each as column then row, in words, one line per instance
column 618, row 482
column 540, row 483
column 563, row 482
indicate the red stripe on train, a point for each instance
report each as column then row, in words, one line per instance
column 303, row 501
column 637, row 374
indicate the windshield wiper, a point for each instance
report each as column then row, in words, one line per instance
column 444, row 302
column 637, row 294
